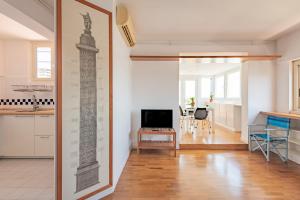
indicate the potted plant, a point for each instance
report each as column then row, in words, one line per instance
column 192, row 102
column 211, row 98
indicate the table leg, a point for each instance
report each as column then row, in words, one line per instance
column 174, row 140
column 138, row 143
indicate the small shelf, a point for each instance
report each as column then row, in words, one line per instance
column 157, row 144
column 149, row 144
column 32, row 88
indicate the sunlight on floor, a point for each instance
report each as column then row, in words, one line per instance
column 202, row 136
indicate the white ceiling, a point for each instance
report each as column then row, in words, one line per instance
column 204, row 69
column 198, row 20
column 11, row 29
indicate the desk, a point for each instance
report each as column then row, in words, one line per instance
column 284, row 115
column 157, row 144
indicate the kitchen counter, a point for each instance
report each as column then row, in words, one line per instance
column 26, row 111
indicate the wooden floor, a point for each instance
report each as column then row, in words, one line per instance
column 207, row 175
column 221, row 139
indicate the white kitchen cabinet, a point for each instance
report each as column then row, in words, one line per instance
column 17, row 135
column 27, row 135
column 228, row 116
column 44, row 131
column 44, row 125
column 44, row 145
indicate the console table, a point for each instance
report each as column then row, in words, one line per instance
column 157, row 144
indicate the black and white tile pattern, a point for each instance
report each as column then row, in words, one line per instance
column 26, row 102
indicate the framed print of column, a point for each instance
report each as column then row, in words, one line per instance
column 84, row 99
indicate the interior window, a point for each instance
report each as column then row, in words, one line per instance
column 219, row 86
column 42, row 65
column 205, row 87
column 234, row 85
column 296, row 85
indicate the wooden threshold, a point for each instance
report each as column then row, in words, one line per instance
column 213, row 146
column 177, row 58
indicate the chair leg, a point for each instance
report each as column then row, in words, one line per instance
column 268, row 150
column 250, row 143
column 208, row 126
column 287, row 151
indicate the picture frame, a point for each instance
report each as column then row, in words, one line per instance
column 84, row 187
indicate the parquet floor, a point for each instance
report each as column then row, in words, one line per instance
column 207, row 175
column 201, row 136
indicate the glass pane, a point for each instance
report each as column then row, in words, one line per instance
column 190, row 90
column 205, row 87
column 219, row 87
column 43, row 56
column 234, row 85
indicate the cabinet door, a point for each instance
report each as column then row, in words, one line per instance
column 222, row 113
column 44, row 125
column 17, row 135
column 229, row 116
column 44, row 145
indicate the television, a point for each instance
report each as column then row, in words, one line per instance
column 156, row 118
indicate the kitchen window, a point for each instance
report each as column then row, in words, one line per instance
column 42, row 61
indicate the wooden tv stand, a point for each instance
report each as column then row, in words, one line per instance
column 157, row 144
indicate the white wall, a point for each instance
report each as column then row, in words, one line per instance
column 16, row 67
column 252, row 75
column 121, row 101
column 259, row 79
column 289, row 47
column 155, row 86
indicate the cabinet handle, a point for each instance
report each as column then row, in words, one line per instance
column 44, row 137
column 24, row 116
column 44, row 115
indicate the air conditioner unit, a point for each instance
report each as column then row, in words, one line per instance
column 125, row 25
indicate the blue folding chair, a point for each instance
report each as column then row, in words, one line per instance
column 272, row 136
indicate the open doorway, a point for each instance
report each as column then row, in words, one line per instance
column 210, row 95
column 27, row 101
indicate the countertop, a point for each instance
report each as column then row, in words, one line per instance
column 284, row 115
column 26, row 111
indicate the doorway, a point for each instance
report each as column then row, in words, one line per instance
column 210, row 94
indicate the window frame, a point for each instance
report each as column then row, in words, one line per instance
column 36, row 45
column 295, row 87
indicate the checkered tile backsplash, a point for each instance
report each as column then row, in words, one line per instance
column 26, row 102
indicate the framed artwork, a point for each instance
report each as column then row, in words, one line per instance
column 84, row 99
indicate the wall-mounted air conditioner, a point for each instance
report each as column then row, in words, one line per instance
column 125, row 25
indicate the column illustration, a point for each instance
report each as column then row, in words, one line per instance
column 88, row 170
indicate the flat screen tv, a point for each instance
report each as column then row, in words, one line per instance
column 157, row 118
